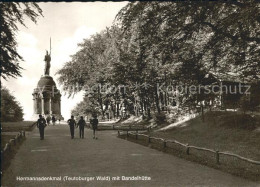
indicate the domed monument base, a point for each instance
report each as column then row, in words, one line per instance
column 46, row 97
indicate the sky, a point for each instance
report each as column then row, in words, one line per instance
column 67, row 24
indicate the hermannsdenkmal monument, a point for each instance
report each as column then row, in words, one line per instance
column 46, row 97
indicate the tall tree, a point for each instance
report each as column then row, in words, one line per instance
column 222, row 35
column 90, row 68
column 188, row 40
column 11, row 109
column 12, row 14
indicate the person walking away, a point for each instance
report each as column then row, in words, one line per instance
column 53, row 119
column 48, row 119
column 72, row 124
column 81, row 124
column 41, row 124
column 94, row 123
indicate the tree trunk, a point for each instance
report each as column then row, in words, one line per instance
column 100, row 102
column 202, row 113
column 157, row 102
column 148, row 108
column 145, row 106
column 117, row 110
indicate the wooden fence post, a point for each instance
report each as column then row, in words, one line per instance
column 113, row 127
column 129, row 126
column 217, row 157
column 14, row 141
column 118, row 133
column 6, row 148
column 17, row 138
column 127, row 134
column 149, row 139
column 9, row 146
column 187, row 149
column 11, row 142
column 136, row 135
column 164, row 143
column 2, row 156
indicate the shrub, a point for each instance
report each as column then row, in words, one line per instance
column 11, row 110
column 160, row 118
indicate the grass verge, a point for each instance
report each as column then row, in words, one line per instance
column 12, row 129
column 17, row 126
column 9, row 155
column 218, row 132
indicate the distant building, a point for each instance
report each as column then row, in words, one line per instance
column 227, row 90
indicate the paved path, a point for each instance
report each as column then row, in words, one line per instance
column 60, row 156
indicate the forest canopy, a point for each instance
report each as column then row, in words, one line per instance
column 168, row 43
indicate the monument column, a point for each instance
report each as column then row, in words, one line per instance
column 50, row 105
column 34, row 103
column 42, row 104
column 37, row 111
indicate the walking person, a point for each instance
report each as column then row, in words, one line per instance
column 48, row 119
column 53, row 119
column 72, row 124
column 41, row 124
column 81, row 124
column 94, row 123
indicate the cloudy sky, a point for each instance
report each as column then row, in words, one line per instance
column 67, row 24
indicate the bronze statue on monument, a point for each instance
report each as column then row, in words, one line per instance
column 47, row 60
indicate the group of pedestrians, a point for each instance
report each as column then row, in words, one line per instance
column 42, row 123
column 81, row 124
column 51, row 119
